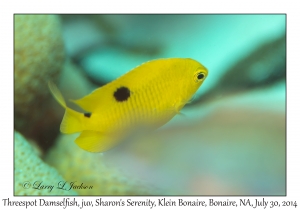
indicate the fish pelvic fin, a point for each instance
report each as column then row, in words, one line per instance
column 94, row 141
column 72, row 121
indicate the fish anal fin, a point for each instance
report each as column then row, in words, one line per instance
column 94, row 141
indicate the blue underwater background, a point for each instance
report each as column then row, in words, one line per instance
column 231, row 139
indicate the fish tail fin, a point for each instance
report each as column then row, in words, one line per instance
column 94, row 141
column 72, row 120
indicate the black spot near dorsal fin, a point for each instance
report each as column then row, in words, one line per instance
column 122, row 94
column 88, row 114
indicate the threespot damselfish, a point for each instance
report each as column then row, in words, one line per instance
column 149, row 95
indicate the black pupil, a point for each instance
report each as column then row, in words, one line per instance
column 200, row 76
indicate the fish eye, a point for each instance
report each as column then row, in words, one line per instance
column 199, row 76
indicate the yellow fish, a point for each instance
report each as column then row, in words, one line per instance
column 148, row 96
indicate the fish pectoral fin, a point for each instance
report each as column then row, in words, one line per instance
column 94, row 141
column 177, row 107
column 181, row 114
column 191, row 100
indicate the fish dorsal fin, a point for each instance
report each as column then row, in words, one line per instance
column 94, row 141
column 101, row 98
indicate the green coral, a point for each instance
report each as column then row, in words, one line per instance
column 32, row 175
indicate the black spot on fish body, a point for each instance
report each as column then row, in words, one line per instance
column 88, row 114
column 122, row 94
